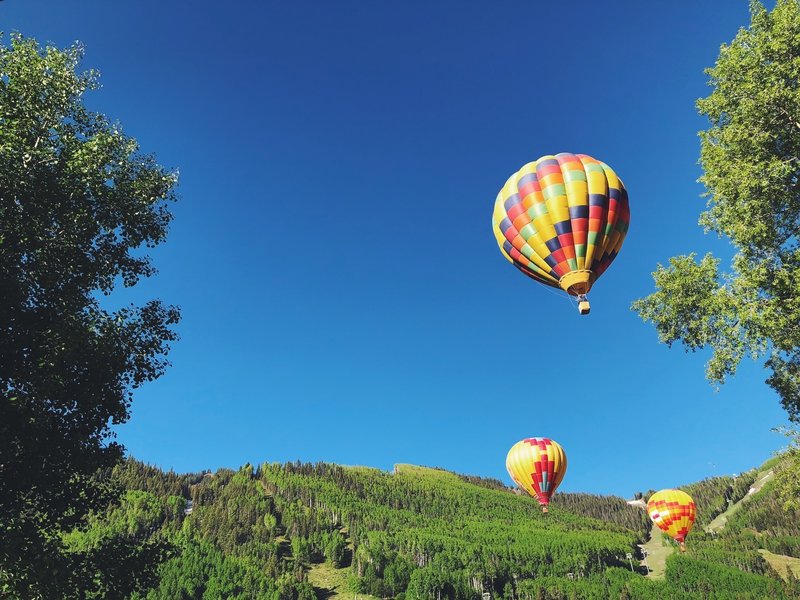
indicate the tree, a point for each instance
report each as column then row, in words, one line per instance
column 751, row 161
column 78, row 201
column 787, row 479
column 335, row 549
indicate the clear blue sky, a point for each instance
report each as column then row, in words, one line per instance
column 343, row 297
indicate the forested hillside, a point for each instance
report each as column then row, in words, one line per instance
column 286, row 531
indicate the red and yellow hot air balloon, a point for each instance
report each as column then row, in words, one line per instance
column 561, row 220
column 537, row 465
column 674, row 512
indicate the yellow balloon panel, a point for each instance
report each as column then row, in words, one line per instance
column 537, row 465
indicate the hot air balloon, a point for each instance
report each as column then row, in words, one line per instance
column 561, row 220
column 537, row 465
column 674, row 512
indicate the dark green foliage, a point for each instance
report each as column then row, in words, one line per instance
column 610, row 509
column 227, row 548
column 715, row 495
column 738, row 552
column 433, row 520
column 773, row 526
column 487, row 482
column 79, row 202
column 613, row 583
column 135, row 475
column 760, row 521
column 230, row 509
column 119, row 550
column 708, row 579
column 422, row 533
column 335, row 548
column 203, row 571
column 787, row 478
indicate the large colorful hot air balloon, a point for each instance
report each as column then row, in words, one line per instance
column 537, row 465
column 674, row 512
column 561, row 220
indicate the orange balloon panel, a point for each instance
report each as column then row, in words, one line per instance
column 537, row 465
column 673, row 511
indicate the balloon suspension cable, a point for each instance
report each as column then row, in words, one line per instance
column 560, row 295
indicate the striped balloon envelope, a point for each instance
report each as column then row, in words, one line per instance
column 561, row 220
column 674, row 513
column 537, row 465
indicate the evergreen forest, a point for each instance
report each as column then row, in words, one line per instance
column 300, row 531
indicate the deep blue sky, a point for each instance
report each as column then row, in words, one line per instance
column 343, row 298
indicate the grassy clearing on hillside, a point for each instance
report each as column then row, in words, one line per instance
column 657, row 552
column 782, row 563
column 331, row 583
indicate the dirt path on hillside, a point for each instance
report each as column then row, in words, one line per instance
column 721, row 519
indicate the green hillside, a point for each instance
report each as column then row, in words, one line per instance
column 305, row 531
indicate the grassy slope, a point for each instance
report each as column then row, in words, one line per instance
column 657, row 553
column 330, row 583
column 782, row 563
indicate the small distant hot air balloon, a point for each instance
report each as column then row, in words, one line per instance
column 537, row 465
column 674, row 512
column 561, row 220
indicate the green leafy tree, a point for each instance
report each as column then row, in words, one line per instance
column 117, row 552
column 751, row 161
column 78, row 201
column 335, row 549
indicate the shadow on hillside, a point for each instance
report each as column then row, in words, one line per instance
column 347, row 560
column 323, row 594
